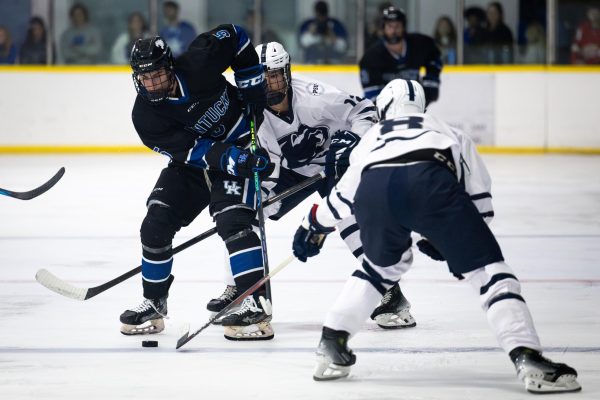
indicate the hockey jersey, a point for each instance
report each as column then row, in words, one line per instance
column 299, row 140
column 413, row 134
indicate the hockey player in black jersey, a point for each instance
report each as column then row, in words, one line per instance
column 400, row 55
column 187, row 111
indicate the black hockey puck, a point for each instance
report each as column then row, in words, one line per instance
column 149, row 343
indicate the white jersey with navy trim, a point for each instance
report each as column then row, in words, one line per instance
column 392, row 138
column 300, row 141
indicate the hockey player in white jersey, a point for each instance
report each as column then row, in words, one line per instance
column 310, row 127
column 413, row 172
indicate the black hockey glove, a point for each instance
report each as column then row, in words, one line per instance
column 252, row 87
column 432, row 90
column 427, row 248
column 310, row 236
column 338, row 157
column 239, row 162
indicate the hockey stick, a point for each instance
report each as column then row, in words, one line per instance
column 37, row 191
column 186, row 337
column 259, row 206
column 52, row 282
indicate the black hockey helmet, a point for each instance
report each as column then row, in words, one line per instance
column 152, row 63
column 394, row 14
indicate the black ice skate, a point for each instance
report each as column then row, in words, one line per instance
column 146, row 318
column 215, row 305
column 250, row 321
column 394, row 311
column 541, row 375
column 334, row 358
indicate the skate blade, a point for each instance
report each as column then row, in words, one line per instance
column 149, row 328
column 259, row 331
column 400, row 320
column 564, row 384
column 328, row 371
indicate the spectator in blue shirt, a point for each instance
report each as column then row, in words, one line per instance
column 323, row 39
column 179, row 34
column 8, row 51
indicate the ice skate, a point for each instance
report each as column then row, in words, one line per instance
column 147, row 318
column 394, row 311
column 250, row 322
column 334, row 358
column 215, row 305
column 541, row 375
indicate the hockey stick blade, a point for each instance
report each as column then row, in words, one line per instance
column 54, row 283
column 186, row 337
column 37, row 191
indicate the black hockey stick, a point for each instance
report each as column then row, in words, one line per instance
column 37, row 191
column 186, row 337
column 52, row 282
column 259, row 211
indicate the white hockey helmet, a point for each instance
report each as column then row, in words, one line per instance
column 274, row 58
column 400, row 97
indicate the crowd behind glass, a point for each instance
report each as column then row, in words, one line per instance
column 104, row 35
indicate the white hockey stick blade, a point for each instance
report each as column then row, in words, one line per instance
column 54, row 283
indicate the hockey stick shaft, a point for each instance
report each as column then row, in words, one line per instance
column 52, row 282
column 37, row 191
column 260, row 211
column 186, row 337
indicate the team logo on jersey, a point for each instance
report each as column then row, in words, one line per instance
column 232, row 187
column 300, row 148
column 315, row 89
column 160, row 43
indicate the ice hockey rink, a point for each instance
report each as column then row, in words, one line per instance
column 86, row 231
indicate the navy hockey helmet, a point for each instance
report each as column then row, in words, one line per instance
column 276, row 62
column 394, row 14
column 152, row 64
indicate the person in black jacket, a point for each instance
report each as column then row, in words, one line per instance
column 498, row 39
column 186, row 110
column 400, row 55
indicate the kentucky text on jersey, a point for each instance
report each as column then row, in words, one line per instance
column 212, row 115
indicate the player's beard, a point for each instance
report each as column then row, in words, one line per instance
column 394, row 39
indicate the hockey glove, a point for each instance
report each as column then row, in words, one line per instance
column 338, row 157
column 431, row 87
column 252, row 87
column 427, row 248
column 310, row 236
column 238, row 162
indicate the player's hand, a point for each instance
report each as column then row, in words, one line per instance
column 427, row 248
column 310, row 236
column 239, row 162
column 252, row 87
column 338, row 157
column 432, row 91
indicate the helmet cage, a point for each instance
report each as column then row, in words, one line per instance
column 278, row 82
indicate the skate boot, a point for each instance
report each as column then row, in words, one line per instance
column 334, row 358
column 394, row 311
column 146, row 318
column 215, row 305
column 541, row 375
column 250, row 322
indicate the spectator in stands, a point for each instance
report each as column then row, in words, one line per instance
column 474, row 35
column 535, row 48
column 81, row 43
column 445, row 38
column 324, row 39
column 498, row 37
column 8, row 51
column 35, row 47
column 586, row 47
column 267, row 35
column 179, row 34
column 374, row 30
column 137, row 28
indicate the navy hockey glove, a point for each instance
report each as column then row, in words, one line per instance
column 338, row 157
column 427, row 248
column 238, row 162
column 431, row 88
column 252, row 87
column 310, row 236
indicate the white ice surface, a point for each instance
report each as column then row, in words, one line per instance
column 85, row 230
